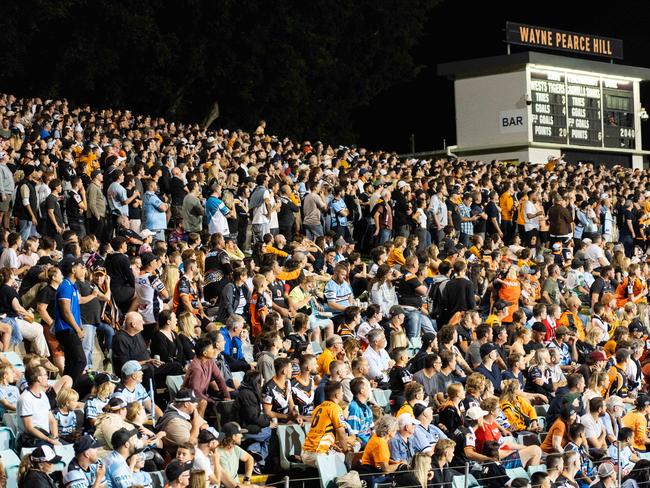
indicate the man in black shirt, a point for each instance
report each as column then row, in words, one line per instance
column 410, row 292
column 53, row 217
column 459, row 295
column 602, row 284
column 75, row 207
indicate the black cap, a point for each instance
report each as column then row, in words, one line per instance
column 175, row 469
column 186, row 395
column 427, row 339
column 102, row 378
column 636, row 327
column 95, row 173
column 232, row 428
column 122, row 436
column 487, row 348
column 116, row 403
column 68, row 263
column 501, row 304
column 147, row 258
column 538, row 327
column 209, row 435
column 418, row 409
column 84, row 443
column 45, row 454
column 642, row 401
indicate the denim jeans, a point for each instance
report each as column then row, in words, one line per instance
column 384, row 235
column 88, row 342
column 26, row 229
column 312, row 231
column 416, row 322
column 261, row 443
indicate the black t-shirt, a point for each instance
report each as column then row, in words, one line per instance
column 277, row 293
column 135, row 213
column 52, row 202
column 91, row 312
column 627, row 215
column 72, row 207
column 7, row 295
column 30, row 279
column 398, row 377
column 177, row 190
column 492, row 211
column 48, row 296
column 601, row 286
column 406, row 293
column 455, row 214
column 479, row 224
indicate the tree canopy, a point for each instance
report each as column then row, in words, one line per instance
column 302, row 66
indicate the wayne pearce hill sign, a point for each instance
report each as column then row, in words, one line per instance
column 544, row 37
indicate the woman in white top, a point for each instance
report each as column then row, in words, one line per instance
column 420, row 217
column 382, row 291
column 597, row 383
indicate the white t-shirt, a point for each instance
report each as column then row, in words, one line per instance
column 202, row 462
column 530, row 224
column 273, row 218
column 593, row 428
column 594, row 253
column 260, row 215
column 36, row 407
column 9, row 259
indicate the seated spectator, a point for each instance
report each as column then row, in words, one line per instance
column 427, row 375
column 401, row 445
column 69, row 421
column 35, row 468
column 109, row 422
column 231, row 455
column 426, row 435
column 622, row 451
column 450, row 413
column 637, row 421
column 413, row 394
column 233, row 348
column 84, row 470
column 378, row 360
column 131, row 388
column 333, row 347
column 303, row 385
column 377, row 456
column 203, row 376
column 520, row 413
column 277, row 399
column 118, row 472
column 37, row 426
column 398, row 378
column 557, row 436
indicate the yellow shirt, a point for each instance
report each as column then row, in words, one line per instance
column 324, row 361
column 325, row 420
column 406, row 408
column 638, row 422
column 507, row 204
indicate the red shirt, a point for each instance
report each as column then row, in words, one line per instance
column 489, row 432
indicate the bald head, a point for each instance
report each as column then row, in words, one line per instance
column 133, row 322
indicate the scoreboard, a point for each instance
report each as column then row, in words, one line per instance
column 582, row 110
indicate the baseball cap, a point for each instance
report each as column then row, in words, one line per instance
column 116, row 403
column 68, row 263
column 209, row 435
column 538, row 327
column 642, row 401
column 401, row 184
column 557, row 246
column 636, row 327
column 577, row 263
column 95, row 173
column 84, row 443
column 122, row 436
column 407, row 419
column 614, row 401
column 476, row 413
column 131, row 367
column 427, row 339
column 44, row 454
column 501, row 304
column 487, row 348
column 186, row 395
column 147, row 233
column 604, row 196
column 419, row 409
column 562, row 331
column 598, row 356
column 395, row 310
column 148, row 257
column 605, row 470
column 175, row 469
column 102, row 378
column 232, row 428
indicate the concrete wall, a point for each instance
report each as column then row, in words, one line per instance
column 480, row 104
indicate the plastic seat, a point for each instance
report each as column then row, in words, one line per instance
column 541, row 410
column 158, row 478
column 316, row 347
column 7, row 438
column 174, row 384
column 381, row 399
column 416, row 343
column 11, row 421
column 225, row 412
column 644, row 455
column 238, row 375
column 291, row 438
column 11, row 464
column 535, row 469
column 330, row 467
column 459, row 481
column 517, row 473
column 15, row 360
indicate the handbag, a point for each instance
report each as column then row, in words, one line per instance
column 350, row 480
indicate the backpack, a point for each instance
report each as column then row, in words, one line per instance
column 29, row 298
column 434, row 297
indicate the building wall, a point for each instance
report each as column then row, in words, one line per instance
column 481, row 103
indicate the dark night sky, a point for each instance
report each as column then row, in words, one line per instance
column 459, row 30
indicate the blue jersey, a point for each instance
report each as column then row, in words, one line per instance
column 67, row 290
column 75, row 476
column 9, row 393
column 139, row 394
column 94, row 407
column 142, row 478
column 67, row 423
column 118, row 474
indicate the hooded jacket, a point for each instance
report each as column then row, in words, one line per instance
column 249, row 406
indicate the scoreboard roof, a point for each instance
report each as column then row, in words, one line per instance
column 517, row 61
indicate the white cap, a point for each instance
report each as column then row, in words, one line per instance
column 476, row 413
column 604, row 196
column 406, row 419
column 401, row 184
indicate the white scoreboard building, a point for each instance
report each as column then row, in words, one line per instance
column 528, row 106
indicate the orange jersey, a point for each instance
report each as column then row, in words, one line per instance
column 258, row 311
column 325, row 420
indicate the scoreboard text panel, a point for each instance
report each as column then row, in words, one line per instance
column 582, row 110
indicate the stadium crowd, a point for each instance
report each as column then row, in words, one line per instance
column 414, row 319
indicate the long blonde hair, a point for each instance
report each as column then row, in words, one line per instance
column 170, row 276
column 187, row 325
column 421, row 465
column 198, row 479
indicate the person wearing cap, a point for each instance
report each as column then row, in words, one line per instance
column 637, row 420
column 111, row 420
column 401, row 446
column 26, row 202
column 557, row 436
column 206, row 457
column 499, row 312
column 178, row 474
column 426, row 434
column 132, row 390
column 182, row 420
column 465, row 437
column 595, row 361
column 606, row 476
column 35, row 469
column 104, row 386
column 119, row 473
column 154, row 210
column 84, row 471
column 231, row 454
column 488, row 368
